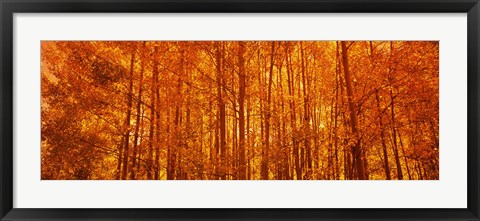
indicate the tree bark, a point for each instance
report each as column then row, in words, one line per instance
column 292, row 105
column 382, row 137
column 394, row 129
column 137, row 121
column 306, row 112
column 357, row 150
column 157, row 120
column 127, row 119
column 220, row 49
column 152, row 117
column 266, row 149
column 394, row 139
column 241, row 111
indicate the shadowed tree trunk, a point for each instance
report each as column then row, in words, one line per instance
column 266, row 149
column 241, row 110
column 356, row 149
column 382, row 137
column 137, row 121
column 292, row 105
column 127, row 119
column 153, row 88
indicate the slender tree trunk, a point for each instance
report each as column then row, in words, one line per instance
column 157, row 121
column 404, row 156
column 249, row 142
column 233, row 158
column 119, row 162
column 335, row 121
column 394, row 139
column 292, row 105
column 265, row 153
column 151, row 141
column 140, row 156
column 394, row 130
column 284, row 147
column 170, row 149
column 213, row 134
column 177, row 133
column 137, row 121
column 306, row 115
column 382, row 137
column 357, row 150
column 221, row 108
column 127, row 119
column 241, row 104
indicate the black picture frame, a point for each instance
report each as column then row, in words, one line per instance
column 9, row 7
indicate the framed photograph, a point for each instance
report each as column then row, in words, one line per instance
column 252, row 110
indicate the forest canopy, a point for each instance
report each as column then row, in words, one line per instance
column 240, row 110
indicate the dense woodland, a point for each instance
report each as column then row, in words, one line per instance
column 240, row 110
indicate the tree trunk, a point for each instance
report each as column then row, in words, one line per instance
column 118, row 176
column 266, row 149
column 137, row 121
column 404, row 156
column 394, row 130
column 394, row 139
column 241, row 111
column 291, row 93
column 152, row 118
column 221, row 108
column 306, row 112
column 127, row 119
column 357, row 150
column 382, row 137
column 249, row 142
column 157, row 121
column 335, row 121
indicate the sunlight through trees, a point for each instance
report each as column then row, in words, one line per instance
column 240, row 110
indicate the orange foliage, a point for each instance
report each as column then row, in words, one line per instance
column 230, row 110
